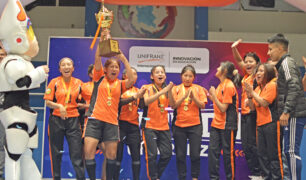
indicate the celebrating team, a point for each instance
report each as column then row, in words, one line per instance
column 272, row 98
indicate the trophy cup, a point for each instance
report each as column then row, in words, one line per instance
column 108, row 46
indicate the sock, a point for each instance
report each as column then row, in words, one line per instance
column 91, row 168
column 110, row 169
column 117, row 171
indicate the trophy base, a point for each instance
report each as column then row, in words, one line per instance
column 109, row 48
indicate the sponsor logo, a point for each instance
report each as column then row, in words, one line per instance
column 144, row 58
column 48, row 91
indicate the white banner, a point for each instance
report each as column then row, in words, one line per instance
column 173, row 58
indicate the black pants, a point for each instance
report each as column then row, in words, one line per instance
column 154, row 139
column 221, row 139
column 248, row 139
column 129, row 135
column 70, row 128
column 269, row 149
column 194, row 135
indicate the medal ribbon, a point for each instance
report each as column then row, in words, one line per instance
column 186, row 100
column 67, row 92
column 161, row 99
column 129, row 94
column 109, row 91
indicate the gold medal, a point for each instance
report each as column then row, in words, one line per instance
column 130, row 108
column 109, row 92
column 162, row 108
column 186, row 100
column 67, row 92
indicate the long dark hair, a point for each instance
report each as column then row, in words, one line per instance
column 269, row 72
column 231, row 74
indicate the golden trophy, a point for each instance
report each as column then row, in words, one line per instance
column 108, row 46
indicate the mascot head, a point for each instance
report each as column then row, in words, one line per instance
column 16, row 33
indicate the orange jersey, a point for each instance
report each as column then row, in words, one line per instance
column 188, row 113
column 57, row 92
column 106, row 106
column 129, row 112
column 158, row 115
column 246, row 79
column 266, row 115
column 87, row 89
column 227, row 94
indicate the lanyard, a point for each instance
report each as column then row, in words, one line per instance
column 67, row 92
column 130, row 93
column 91, row 86
column 109, row 91
column 186, row 100
column 246, row 79
column 161, row 99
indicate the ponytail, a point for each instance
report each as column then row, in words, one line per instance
column 231, row 73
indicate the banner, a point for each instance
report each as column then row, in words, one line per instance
column 206, row 3
column 206, row 57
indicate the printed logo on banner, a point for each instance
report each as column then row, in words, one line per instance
column 144, row 58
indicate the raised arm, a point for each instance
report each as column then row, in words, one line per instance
column 98, row 62
column 236, row 53
column 129, row 72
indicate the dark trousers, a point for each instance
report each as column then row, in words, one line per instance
column 293, row 134
column 269, row 150
column 221, row 139
column 194, row 135
column 248, row 139
column 154, row 139
column 129, row 135
column 70, row 128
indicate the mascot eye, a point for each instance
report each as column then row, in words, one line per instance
column 18, row 40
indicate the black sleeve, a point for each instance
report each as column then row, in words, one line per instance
column 141, row 103
column 125, row 101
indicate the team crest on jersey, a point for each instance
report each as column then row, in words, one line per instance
column 48, row 91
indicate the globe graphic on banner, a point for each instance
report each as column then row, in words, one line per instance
column 147, row 21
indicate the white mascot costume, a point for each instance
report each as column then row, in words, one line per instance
column 17, row 77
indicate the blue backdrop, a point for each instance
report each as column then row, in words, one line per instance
column 78, row 50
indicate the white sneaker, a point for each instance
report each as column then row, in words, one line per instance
column 256, row 177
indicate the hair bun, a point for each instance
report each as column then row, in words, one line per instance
column 280, row 35
column 235, row 72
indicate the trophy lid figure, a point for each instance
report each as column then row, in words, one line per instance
column 108, row 46
column 17, row 77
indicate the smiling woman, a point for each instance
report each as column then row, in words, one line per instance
column 61, row 96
